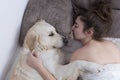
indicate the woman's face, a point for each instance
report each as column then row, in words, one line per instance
column 77, row 29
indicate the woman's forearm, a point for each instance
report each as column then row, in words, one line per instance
column 45, row 74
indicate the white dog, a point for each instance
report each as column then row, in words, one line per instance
column 42, row 37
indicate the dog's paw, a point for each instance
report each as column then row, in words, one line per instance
column 100, row 69
column 92, row 68
column 96, row 68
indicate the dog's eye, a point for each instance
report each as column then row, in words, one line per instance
column 51, row 34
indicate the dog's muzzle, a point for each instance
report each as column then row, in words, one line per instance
column 65, row 41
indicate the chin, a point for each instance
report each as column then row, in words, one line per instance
column 76, row 38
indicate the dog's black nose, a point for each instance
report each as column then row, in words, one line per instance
column 65, row 41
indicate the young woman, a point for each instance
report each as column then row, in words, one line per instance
column 89, row 30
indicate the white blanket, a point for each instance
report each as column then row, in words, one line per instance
column 110, row 72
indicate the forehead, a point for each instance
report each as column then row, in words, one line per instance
column 45, row 28
column 79, row 21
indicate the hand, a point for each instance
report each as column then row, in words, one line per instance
column 34, row 60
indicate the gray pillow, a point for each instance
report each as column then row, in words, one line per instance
column 56, row 12
column 116, row 4
column 115, row 29
column 87, row 3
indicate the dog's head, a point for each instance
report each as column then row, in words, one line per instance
column 42, row 35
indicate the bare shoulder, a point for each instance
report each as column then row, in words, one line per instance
column 79, row 54
column 90, row 52
column 110, row 44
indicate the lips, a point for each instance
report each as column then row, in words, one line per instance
column 71, row 35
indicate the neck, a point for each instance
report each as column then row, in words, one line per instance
column 86, row 41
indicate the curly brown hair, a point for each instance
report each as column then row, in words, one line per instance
column 99, row 18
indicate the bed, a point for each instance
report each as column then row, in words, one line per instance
column 17, row 19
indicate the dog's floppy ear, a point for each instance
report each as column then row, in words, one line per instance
column 30, row 40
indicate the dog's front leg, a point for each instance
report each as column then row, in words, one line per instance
column 66, row 72
column 86, row 66
column 74, row 75
column 76, row 68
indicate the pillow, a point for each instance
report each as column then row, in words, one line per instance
column 116, row 4
column 115, row 28
column 56, row 12
column 87, row 3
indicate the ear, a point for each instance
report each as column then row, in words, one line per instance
column 30, row 40
column 89, row 32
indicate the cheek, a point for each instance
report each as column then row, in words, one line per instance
column 53, row 39
column 77, row 32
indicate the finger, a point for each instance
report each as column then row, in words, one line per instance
column 36, row 54
column 30, row 56
column 33, row 51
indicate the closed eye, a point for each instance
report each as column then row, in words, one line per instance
column 76, row 25
column 51, row 34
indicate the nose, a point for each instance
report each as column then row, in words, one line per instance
column 65, row 41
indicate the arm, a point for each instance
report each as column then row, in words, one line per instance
column 45, row 74
column 34, row 61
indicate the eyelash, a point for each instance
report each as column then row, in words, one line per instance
column 76, row 26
